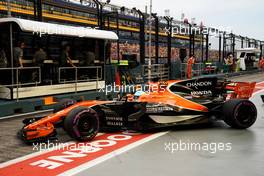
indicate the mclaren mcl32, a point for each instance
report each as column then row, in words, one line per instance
column 172, row 103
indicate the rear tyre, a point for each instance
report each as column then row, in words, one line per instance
column 63, row 104
column 240, row 114
column 82, row 124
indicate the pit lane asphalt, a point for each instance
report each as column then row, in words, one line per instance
column 152, row 159
column 245, row 158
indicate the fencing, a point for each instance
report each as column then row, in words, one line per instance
column 15, row 77
column 80, row 74
column 21, row 80
column 160, row 72
column 197, row 70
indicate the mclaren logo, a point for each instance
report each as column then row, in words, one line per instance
column 199, row 84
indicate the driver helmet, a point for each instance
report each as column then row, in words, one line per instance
column 138, row 94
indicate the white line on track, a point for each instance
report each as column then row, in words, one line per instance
column 98, row 160
column 255, row 93
column 110, row 155
column 32, row 155
column 262, row 89
column 103, row 158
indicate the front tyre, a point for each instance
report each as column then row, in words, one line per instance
column 82, row 124
column 240, row 114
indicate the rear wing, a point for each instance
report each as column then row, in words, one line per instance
column 241, row 90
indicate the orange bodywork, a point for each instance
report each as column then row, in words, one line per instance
column 164, row 96
column 241, row 90
column 44, row 126
column 159, row 93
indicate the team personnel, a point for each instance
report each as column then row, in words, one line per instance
column 190, row 63
column 229, row 61
column 261, row 64
column 19, row 54
column 65, row 59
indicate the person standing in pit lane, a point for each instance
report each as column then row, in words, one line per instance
column 229, row 61
column 190, row 63
column 261, row 63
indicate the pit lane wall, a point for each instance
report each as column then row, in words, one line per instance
column 13, row 107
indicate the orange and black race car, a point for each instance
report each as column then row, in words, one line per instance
column 166, row 104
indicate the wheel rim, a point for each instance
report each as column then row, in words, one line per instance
column 245, row 114
column 86, row 124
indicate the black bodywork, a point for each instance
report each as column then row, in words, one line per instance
column 137, row 116
column 193, row 102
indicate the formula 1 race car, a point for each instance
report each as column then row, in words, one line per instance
column 165, row 104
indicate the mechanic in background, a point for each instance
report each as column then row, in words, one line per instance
column 39, row 57
column 237, row 64
column 19, row 54
column 65, row 59
column 3, row 64
column 229, row 61
column 190, row 63
column 261, row 64
column 3, row 59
